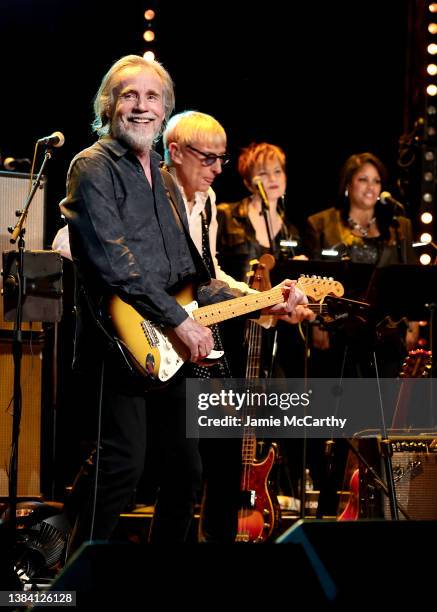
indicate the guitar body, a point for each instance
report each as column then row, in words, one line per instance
column 352, row 509
column 257, row 516
column 155, row 353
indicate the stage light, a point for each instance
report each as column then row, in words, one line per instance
column 432, row 28
column 432, row 49
column 431, row 69
column 149, row 14
column 149, row 35
column 431, row 90
column 425, row 238
column 433, row 7
column 425, row 259
column 426, row 218
column 150, row 32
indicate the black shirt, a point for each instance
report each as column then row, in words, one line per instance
column 125, row 235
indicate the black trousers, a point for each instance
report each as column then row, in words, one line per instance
column 95, row 504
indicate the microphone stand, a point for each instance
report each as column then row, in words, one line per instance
column 265, row 207
column 17, row 345
column 386, row 453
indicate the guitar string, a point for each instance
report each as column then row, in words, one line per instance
column 248, row 449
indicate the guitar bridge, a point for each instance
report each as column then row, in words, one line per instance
column 150, row 333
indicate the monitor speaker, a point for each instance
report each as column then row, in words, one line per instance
column 368, row 560
column 138, row 573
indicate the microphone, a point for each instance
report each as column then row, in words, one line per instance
column 11, row 163
column 385, row 197
column 260, row 188
column 54, row 140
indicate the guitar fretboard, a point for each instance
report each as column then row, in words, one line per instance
column 215, row 313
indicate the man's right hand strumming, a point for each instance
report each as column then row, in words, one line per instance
column 196, row 337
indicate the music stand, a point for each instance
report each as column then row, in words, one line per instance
column 349, row 315
column 354, row 277
column 403, row 291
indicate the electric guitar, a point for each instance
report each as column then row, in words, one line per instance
column 416, row 365
column 258, row 514
column 158, row 353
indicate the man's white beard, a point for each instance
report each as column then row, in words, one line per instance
column 133, row 138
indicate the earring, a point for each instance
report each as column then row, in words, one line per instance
column 346, row 192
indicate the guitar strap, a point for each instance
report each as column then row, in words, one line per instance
column 181, row 220
column 221, row 368
column 206, row 250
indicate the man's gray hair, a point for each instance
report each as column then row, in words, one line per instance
column 104, row 101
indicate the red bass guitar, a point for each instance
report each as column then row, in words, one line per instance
column 258, row 514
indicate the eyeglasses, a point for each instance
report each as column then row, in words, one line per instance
column 210, row 158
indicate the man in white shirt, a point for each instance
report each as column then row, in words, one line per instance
column 195, row 153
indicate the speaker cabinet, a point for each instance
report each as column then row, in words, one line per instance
column 29, row 462
column 103, row 572
column 414, row 464
column 14, row 189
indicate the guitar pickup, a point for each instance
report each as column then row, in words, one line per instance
column 248, row 499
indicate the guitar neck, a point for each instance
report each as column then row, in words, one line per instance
column 216, row 313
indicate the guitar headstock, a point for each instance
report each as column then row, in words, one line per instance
column 317, row 287
column 259, row 275
column 417, row 364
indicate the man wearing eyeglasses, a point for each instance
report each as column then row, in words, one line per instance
column 195, row 153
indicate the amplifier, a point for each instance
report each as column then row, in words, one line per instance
column 14, row 189
column 29, row 459
column 414, row 462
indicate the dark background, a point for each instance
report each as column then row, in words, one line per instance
column 321, row 79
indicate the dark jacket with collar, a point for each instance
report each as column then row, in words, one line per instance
column 125, row 235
